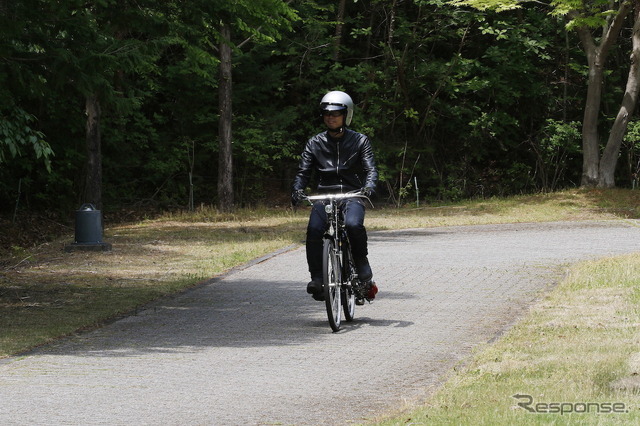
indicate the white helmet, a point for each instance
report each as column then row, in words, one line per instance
column 335, row 101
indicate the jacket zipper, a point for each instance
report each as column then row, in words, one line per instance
column 338, row 165
column 338, row 159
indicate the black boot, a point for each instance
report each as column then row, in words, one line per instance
column 364, row 270
column 358, row 241
column 316, row 289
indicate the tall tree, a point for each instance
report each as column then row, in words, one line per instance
column 585, row 18
column 260, row 21
column 93, row 175
column 225, row 92
column 609, row 160
column 339, row 29
column 88, row 49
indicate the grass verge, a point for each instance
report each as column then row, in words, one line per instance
column 575, row 359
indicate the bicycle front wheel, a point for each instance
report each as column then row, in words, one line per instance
column 332, row 283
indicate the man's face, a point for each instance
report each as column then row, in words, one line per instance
column 334, row 120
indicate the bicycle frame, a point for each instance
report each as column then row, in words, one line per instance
column 340, row 278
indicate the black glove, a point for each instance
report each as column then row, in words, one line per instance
column 297, row 196
column 367, row 191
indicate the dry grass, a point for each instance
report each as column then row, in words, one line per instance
column 559, row 206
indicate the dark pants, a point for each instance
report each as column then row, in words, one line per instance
column 354, row 223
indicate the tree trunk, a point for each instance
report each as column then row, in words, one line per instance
column 590, row 137
column 225, row 159
column 596, row 58
column 339, row 27
column 612, row 150
column 93, row 181
column 392, row 23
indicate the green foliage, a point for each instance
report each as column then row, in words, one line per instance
column 16, row 133
column 631, row 145
column 495, row 5
column 559, row 135
column 455, row 98
column 558, row 141
column 633, row 133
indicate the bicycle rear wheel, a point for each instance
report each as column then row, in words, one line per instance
column 332, row 284
column 349, row 278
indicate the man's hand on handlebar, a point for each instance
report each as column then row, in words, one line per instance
column 367, row 191
column 297, row 196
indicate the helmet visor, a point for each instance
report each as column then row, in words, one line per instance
column 332, row 107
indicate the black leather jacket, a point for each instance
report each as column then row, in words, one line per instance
column 344, row 164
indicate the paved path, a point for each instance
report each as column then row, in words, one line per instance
column 253, row 348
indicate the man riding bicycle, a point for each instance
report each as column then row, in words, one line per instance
column 344, row 161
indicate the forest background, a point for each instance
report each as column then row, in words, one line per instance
column 159, row 105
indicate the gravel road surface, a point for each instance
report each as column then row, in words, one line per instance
column 252, row 348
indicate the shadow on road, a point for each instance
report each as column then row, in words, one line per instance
column 230, row 313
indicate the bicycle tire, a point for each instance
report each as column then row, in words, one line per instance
column 348, row 291
column 332, row 284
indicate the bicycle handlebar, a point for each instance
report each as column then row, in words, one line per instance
column 338, row 196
